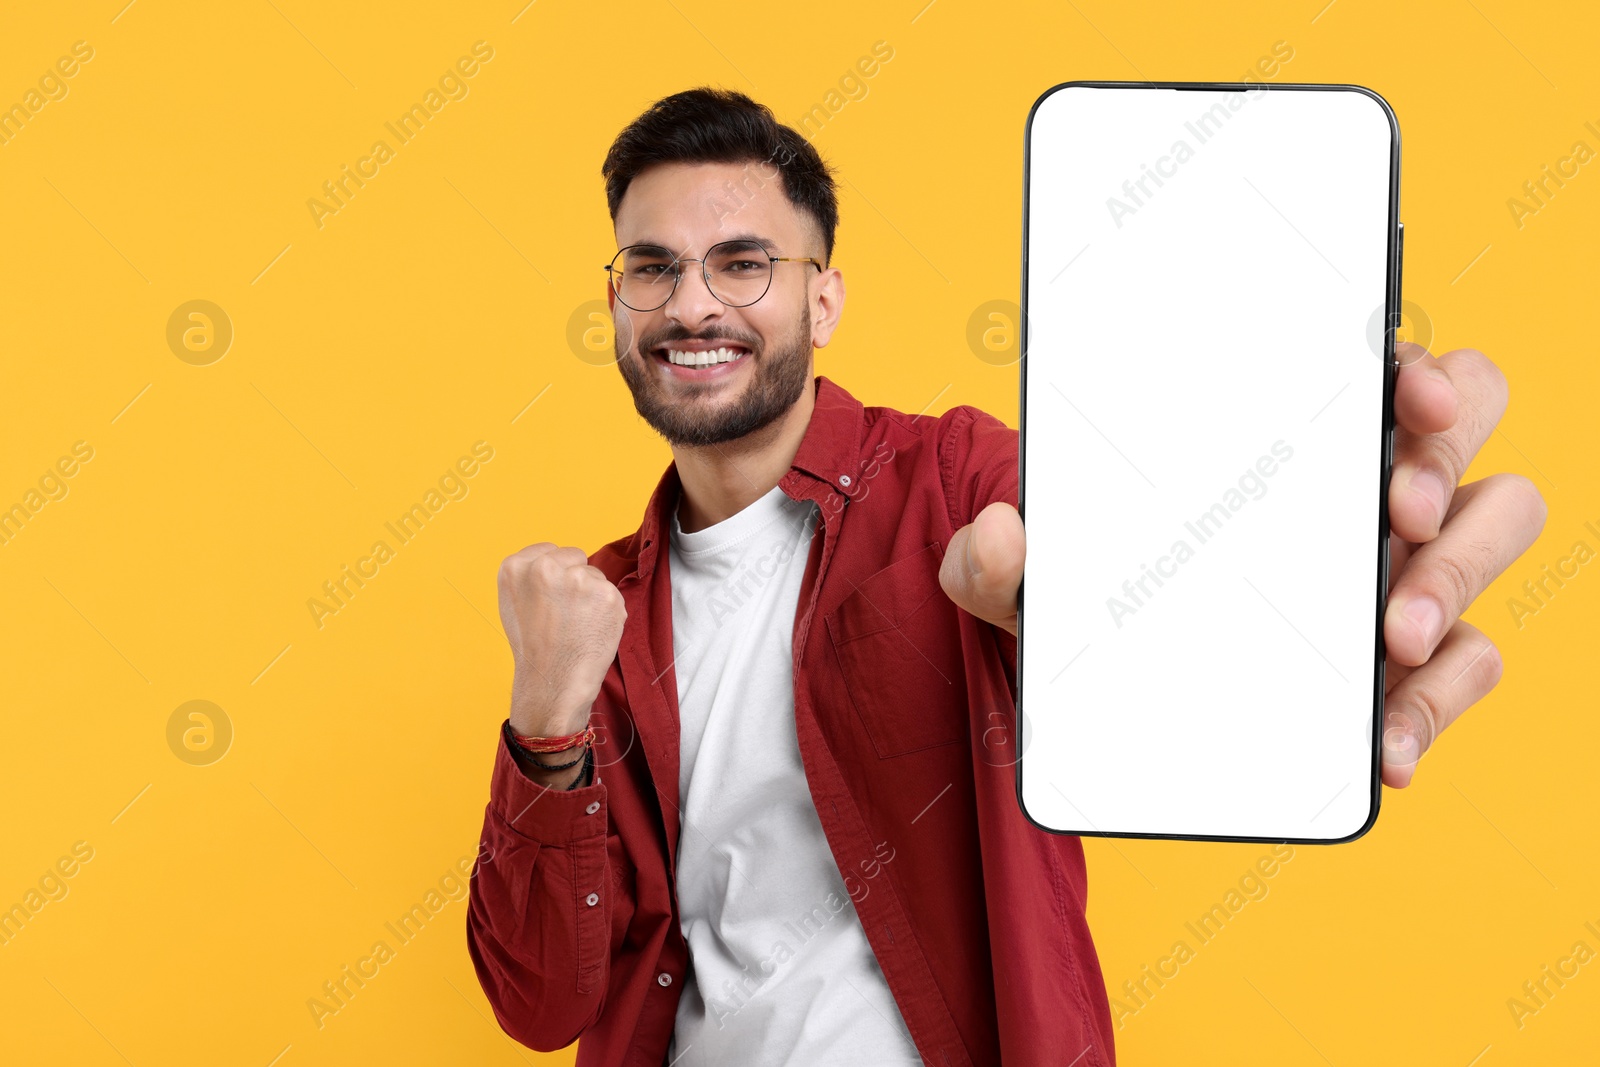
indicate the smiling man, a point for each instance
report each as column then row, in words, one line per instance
column 754, row 801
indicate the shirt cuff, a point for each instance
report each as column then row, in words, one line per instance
column 541, row 813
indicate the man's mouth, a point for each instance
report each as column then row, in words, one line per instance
column 699, row 353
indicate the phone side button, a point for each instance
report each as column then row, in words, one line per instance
column 1400, row 261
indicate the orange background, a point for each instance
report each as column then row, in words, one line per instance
column 447, row 303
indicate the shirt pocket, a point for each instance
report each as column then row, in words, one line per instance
column 898, row 640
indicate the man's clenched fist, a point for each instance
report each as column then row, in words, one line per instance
column 564, row 621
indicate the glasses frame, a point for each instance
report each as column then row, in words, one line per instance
column 615, row 274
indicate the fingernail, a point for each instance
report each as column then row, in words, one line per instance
column 1427, row 616
column 1430, row 485
column 1438, row 375
column 1400, row 748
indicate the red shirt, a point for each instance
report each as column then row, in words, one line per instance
column 904, row 707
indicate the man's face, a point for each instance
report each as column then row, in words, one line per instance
column 687, row 208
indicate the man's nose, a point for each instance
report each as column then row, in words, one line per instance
column 692, row 301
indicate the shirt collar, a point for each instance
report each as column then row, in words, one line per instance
column 830, row 448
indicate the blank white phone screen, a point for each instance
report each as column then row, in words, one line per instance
column 1203, row 433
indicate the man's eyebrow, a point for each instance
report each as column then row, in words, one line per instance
column 768, row 244
column 765, row 242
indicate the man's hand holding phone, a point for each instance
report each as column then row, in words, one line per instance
column 1447, row 542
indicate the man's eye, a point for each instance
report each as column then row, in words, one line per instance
column 650, row 270
column 743, row 266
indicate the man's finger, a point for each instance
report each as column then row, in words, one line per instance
column 1424, row 399
column 1400, row 552
column 1492, row 521
column 1463, row 671
column 982, row 565
column 1429, row 462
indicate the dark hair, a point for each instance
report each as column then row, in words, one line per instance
column 708, row 125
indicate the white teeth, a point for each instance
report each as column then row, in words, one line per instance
column 703, row 359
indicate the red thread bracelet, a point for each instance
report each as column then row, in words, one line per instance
column 535, row 743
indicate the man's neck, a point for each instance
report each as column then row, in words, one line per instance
column 722, row 480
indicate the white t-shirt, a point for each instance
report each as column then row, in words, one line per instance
column 780, row 971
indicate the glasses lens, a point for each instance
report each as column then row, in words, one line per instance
column 740, row 272
column 644, row 276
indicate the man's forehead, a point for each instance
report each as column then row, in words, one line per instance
column 680, row 206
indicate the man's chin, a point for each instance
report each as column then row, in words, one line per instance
column 713, row 421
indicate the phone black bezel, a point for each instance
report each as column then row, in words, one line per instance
column 1391, row 319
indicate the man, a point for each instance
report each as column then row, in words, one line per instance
column 793, row 836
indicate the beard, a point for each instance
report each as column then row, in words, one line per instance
column 679, row 414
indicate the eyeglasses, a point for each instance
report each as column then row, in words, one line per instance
column 737, row 273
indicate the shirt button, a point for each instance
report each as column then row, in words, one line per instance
column 592, row 899
column 594, row 806
column 664, row 978
column 844, row 480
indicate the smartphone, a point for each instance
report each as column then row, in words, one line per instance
column 1211, row 286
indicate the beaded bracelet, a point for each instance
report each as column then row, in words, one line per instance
column 587, row 773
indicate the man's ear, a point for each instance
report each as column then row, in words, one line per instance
column 830, row 305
